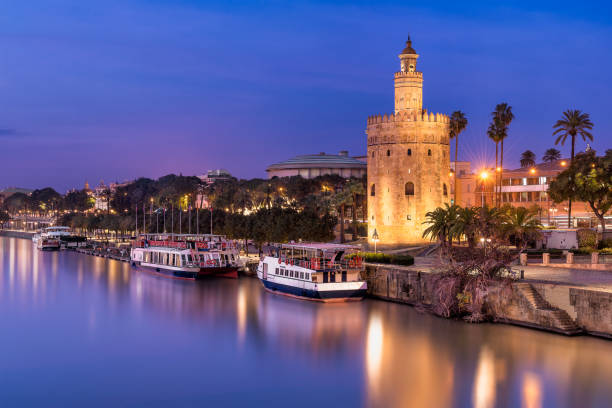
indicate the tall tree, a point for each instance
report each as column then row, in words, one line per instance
column 528, row 158
column 458, row 123
column 503, row 116
column 573, row 123
column 493, row 132
column 588, row 179
column 551, row 155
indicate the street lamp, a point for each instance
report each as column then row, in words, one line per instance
column 375, row 239
column 483, row 176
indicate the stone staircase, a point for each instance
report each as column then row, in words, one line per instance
column 558, row 319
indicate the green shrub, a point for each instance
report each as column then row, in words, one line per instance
column 587, row 238
column 605, row 243
column 405, row 260
column 583, row 250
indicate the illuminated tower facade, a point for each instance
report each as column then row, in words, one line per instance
column 408, row 161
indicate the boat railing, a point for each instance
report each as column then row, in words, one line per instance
column 319, row 264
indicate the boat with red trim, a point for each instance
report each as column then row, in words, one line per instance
column 314, row 271
column 187, row 255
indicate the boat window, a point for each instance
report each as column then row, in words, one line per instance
column 301, row 275
column 307, row 276
column 276, row 271
column 189, row 258
column 291, row 274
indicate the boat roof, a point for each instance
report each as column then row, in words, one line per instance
column 321, row 246
column 59, row 228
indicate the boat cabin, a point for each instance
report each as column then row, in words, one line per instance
column 325, row 263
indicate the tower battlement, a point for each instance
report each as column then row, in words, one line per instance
column 408, row 117
column 408, row 74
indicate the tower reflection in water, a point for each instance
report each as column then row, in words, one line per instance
column 381, row 353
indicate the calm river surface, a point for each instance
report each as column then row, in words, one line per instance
column 86, row 331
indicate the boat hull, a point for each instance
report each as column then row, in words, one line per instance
column 340, row 295
column 174, row 273
column 222, row 272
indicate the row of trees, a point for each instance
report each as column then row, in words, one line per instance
column 275, row 224
column 496, row 226
column 573, row 124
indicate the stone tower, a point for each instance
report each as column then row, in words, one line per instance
column 408, row 161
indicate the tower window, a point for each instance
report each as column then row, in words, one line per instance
column 409, row 152
column 372, row 154
column 429, row 152
column 444, row 189
column 373, row 190
column 408, row 217
column 409, row 188
column 388, row 152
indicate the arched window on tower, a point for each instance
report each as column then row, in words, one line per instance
column 373, row 190
column 409, row 188
column 388, row 152
column 444, row 190
column 429, row 152
column 409, row 152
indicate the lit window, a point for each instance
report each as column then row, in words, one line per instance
column 408, row 217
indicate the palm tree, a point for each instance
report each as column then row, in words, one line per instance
column 441, row 221
column 503, row 116
column 458, row 123
column 573, row 122
column 494, row 134
column 356, row 188
column 551, row 155
column 528, row 158
column 465, row 225
column 522, row 224
column 341, row 200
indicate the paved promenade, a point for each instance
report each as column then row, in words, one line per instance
column 583, row 278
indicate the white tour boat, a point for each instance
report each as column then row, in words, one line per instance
column 315, row 271
column 186, row 255
column 63, row 235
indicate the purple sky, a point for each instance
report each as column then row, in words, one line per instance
column 115, row 90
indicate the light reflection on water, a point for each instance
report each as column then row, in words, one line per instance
column 90, row 324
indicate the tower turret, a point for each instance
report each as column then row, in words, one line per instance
column 408, row 82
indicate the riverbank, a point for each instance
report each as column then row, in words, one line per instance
column 16, row 234
column 558, row 307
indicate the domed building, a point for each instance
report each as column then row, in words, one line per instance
column 408, row 161
column 314, row 165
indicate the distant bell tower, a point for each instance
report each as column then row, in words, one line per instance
column 408, row 82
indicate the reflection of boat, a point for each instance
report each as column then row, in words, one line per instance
column 313, row 272
column 187, row 256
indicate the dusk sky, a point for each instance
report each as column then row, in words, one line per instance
column 116, row 90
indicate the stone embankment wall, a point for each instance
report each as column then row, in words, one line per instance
column 553, row 307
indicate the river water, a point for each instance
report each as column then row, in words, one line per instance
column 86, row 331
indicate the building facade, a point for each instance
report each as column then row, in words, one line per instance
column 315, row 165
column 524, row 187
column 408, row 161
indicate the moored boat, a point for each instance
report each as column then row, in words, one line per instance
column 47, row 244
column 315, row 271
column 198, row 255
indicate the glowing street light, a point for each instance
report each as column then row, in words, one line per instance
column 532, row 170
column 483, row 176
column 563, row 163
column 375, row 239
